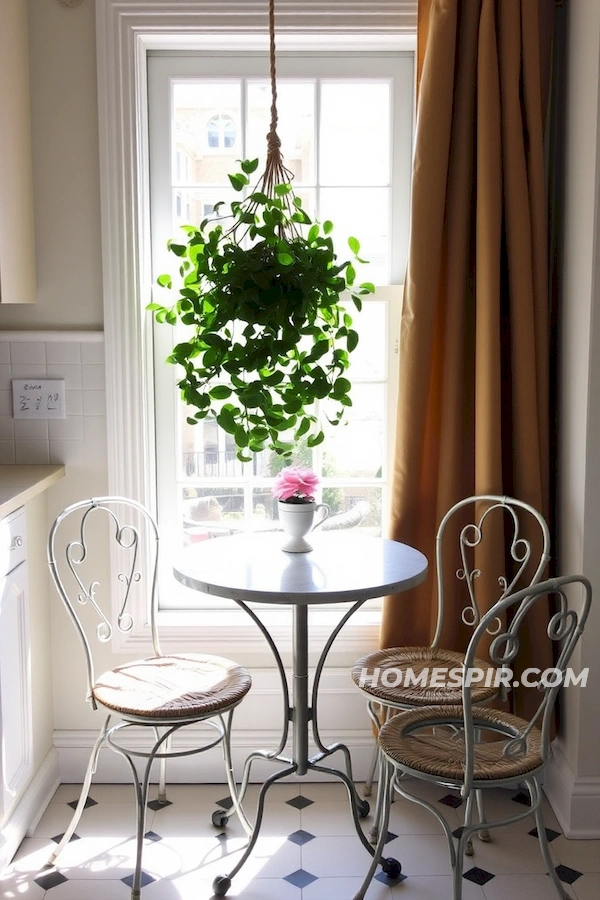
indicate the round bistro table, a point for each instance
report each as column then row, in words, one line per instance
column 341, row 568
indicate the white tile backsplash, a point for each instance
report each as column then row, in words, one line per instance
column 28, row 353
column 62, row 352
column 32, row 452
column 31, row 429
column 71, row 374
column 6, row 402
column 94, row 403
column 79, row 439
column 93, row 377
column 74, row 403
column 7, row 453
column 68, row 429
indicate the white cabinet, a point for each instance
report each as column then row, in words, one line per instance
column 15, row 666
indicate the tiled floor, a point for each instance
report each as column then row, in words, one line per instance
column 307, row 851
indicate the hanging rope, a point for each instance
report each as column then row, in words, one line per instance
column 275, row 171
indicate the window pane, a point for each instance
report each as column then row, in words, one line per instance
column 206, row 131
column 354, row 506
column 355, row 449
column 295, row 127
column 355, row 133
column 362, row 213
column 369, row 359
column 211, row 512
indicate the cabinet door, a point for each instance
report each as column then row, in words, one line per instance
column 15, row 691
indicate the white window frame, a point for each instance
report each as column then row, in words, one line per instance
column 126, row 31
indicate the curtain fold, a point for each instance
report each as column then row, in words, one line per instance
column 473, row 412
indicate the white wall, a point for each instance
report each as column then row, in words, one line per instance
column 573, row 783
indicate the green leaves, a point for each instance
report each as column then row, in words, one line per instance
column 267, row 334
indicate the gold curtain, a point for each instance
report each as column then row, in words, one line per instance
column 473, row 411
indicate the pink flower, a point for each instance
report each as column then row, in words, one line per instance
column 295, row 483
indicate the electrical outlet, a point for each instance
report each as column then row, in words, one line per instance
column 38, row 398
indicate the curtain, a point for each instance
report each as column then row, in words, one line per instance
column 473, row 410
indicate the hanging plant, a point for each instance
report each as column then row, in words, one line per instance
column 260, row 289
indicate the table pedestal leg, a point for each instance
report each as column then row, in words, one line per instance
column 301, row 712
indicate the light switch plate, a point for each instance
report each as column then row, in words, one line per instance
column 38, row 398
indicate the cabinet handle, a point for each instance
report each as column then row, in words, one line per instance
column 18, row 542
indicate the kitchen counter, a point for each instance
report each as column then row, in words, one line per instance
column 18, row 484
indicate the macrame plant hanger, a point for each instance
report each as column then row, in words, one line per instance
column 276, row 179
column 275, row 171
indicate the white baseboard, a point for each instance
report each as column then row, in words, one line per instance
column 74, row 748
column 575, row 800
column 25, row 815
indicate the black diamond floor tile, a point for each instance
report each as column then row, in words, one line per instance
column 451, row 800
column 225, row 803
column 478, row 876
column 390, row 836
column 146, row 879
column 300, row 802
column 300, row 878
column 89, row 802
column 152, row 836
column 58, row 837
column 522, row 798
column 568, row 875
column 47, row 880
column 301, row 837
column 384, row 879
column 550, row 834
column 155, row 805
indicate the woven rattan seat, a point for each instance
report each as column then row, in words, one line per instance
column 173, row 686
column 443, row 754
column 398, row 660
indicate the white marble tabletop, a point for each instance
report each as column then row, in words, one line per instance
column 341, row 567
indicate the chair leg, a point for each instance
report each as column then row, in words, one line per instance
column 483, row 834
column 468, row 818
column 85, row 790
column 371, row 773
column 535, row 792
column 385, row 791
column 236, row 796
column 162, row 771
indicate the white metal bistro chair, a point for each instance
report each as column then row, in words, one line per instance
column 160, row 694
column 475, row 521
column 471, row 748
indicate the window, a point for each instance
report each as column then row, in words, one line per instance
column 221, row 132
column 126, row 35
column 345, row 123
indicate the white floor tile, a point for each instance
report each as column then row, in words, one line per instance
column 581, row 855
column 509, row 853
column 587, row 887
column 14, row 886
column 522, row 887
column 407, row 817
column 344, row 889
column 434, row 888
column 90, row 890
column 338, row 820
column 335, row 856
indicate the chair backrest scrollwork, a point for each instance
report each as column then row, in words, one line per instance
column 521, row 525
column 571, row 597
column 87, row 542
